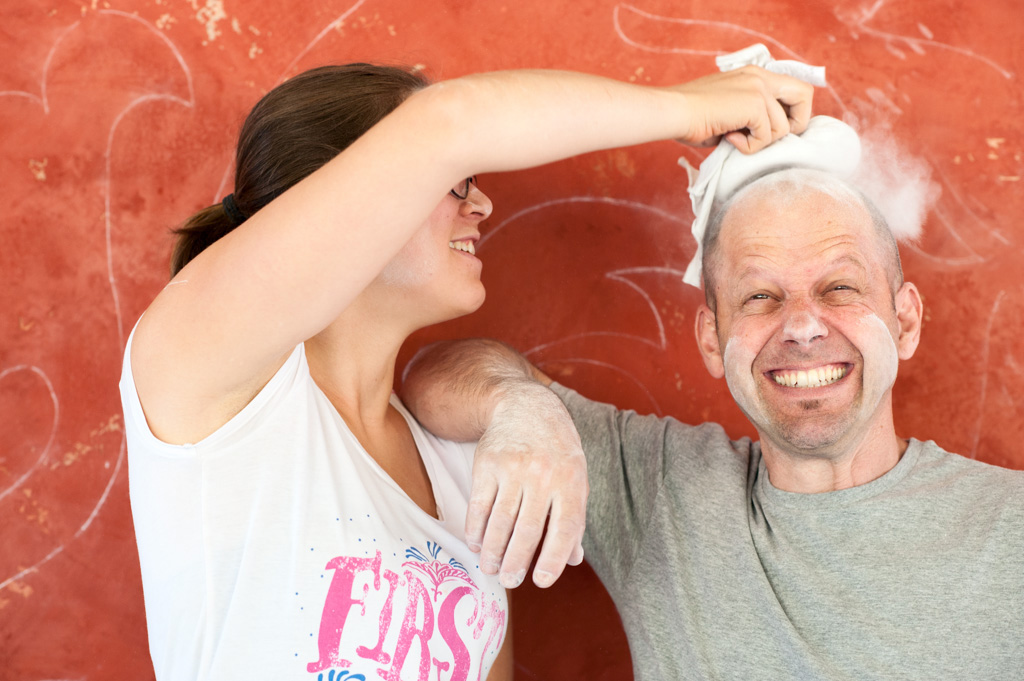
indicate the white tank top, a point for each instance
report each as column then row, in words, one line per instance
column 277, row 548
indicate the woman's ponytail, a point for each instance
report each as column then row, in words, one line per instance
column 198, row 232
column 296, row 128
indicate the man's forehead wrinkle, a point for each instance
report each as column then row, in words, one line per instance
column 768, row 263
column 853, row 259
column 797, row 237
column 763, row 243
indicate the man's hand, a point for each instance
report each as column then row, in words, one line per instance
column 529, row 470
column 529, row 464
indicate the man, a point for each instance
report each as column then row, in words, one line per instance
column 829, row 549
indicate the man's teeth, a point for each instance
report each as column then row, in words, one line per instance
column 811, row 378
column 466, row 246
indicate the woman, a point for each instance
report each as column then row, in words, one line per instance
column 293, row 521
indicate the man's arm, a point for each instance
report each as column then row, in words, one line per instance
column 529, row 462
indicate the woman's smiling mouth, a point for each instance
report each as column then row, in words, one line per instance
column 465, row 245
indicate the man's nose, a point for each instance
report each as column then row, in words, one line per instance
column 803, row 326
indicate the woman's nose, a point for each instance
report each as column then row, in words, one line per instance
column 476, row 203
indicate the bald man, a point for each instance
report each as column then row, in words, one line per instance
column 831, row 548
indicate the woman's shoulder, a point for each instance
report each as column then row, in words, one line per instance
column 244, row 413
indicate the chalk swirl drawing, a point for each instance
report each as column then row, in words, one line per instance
column 636, row 298
column 173, row 86
column 607, row 344
column 1000, row 380
column 963, row 232
column 858, row 19
column 291, row 70
column 51, row 436
column 135, row 32
column 876, row 106
column 625, row 319
column 698, row 37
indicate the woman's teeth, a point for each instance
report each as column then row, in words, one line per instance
column 811, row 378
column 466, row 246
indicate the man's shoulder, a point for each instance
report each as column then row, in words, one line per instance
column 959, row 473
column 932, row 452
column 701, row 440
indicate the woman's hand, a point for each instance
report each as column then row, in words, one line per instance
column 750, row 107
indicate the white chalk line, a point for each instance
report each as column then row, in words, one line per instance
column 591, row 334
column 614, row 275
column 582, row 199
column 966, row 261
column 109, row 250
column 106, row 492
column 41, row 97
column 167, row 41
column 49, row 59
column 337, row 21
column 690, row 22
column 53, row 426
column 984, row 373
column 108, row 228
column 223, row 183
column 606, row 365
column 620, row 275
column 19, row 93
column 33, row 568
column 327, row 29
column 757, row 35
column 947, row 185
column 111, row 279
column 973, row 259
column 1011, row 363
column 950, row 224
column 916, row 43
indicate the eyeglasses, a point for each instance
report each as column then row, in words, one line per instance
column 461, row 190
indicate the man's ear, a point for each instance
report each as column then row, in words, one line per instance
column 706, row 330
column 909, row 315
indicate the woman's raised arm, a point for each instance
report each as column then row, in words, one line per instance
column 225, row 324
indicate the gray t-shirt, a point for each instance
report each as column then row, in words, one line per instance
column 719, row 575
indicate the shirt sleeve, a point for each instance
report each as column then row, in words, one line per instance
column 626, row 464
column 246, row 423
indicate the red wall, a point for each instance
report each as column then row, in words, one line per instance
column 117, row 119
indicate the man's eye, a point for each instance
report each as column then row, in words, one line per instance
column 758, row 296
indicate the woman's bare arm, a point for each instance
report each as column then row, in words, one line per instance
column 213, row 338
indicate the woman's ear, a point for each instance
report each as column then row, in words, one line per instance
column 909, row 314
column 706, row 330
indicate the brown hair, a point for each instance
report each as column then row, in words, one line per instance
column 295, row 129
